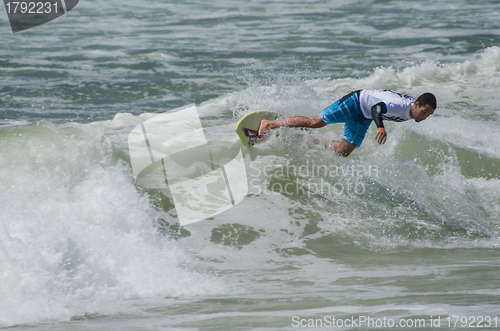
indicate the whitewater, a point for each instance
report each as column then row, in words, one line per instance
column 406, row 231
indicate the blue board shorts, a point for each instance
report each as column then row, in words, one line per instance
column 348, row 110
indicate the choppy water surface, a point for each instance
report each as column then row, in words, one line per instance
column 406, row 231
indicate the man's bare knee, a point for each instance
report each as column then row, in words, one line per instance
column 344, row 153
column 344, row 148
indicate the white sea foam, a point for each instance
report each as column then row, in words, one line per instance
column 76, row 235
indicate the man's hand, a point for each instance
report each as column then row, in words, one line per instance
column 381, row 136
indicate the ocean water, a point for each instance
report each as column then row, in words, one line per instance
column 403, row 234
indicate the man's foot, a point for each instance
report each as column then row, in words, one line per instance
column 264, row 127
column 251, row 133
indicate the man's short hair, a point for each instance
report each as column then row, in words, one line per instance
column 427, row 99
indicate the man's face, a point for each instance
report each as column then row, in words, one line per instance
column 420, row 113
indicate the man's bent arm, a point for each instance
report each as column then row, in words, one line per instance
column 377, row 111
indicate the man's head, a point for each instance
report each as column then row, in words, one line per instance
column 423, row 107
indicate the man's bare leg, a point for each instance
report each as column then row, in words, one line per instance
column 291, row 122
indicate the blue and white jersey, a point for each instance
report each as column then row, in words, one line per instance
column 397, row 106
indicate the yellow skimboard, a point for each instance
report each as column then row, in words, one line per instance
column 248, row 126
